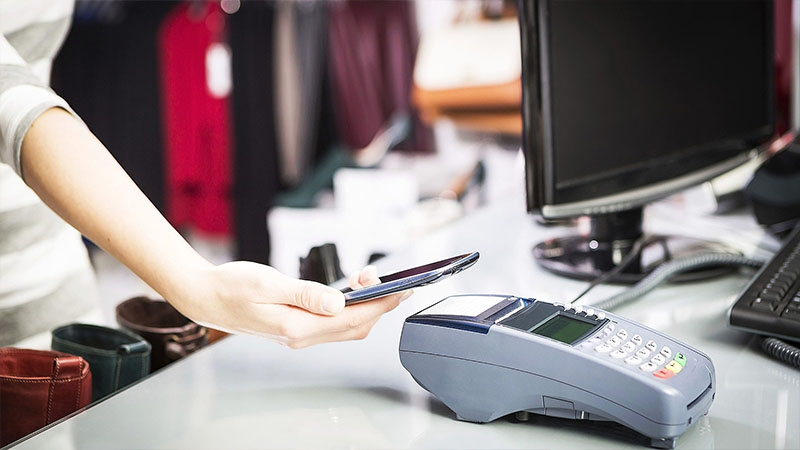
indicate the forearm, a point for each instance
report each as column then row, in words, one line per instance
column 74, row 174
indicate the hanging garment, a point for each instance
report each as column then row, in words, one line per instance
column 299, row 57
column 372, row 49
column 255, row 160
column 195, row 85
column 107, row 70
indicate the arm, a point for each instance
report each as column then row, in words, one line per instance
column 75, row 175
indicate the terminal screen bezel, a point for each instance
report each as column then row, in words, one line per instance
column 564, row 328
column 534, row 317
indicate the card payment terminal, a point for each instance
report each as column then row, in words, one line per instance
column 487, row 356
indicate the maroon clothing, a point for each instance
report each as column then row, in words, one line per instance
column 372, row 50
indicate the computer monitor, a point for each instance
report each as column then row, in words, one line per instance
column 628, row 101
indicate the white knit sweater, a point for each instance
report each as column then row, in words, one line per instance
column 38, row 250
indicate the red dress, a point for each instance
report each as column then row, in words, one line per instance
column 196, row 120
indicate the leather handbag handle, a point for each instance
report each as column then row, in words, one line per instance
column 179, row 346
column 68, row 366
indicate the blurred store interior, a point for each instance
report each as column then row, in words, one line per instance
column 264, row 129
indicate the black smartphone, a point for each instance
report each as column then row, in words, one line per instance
column 411, row 278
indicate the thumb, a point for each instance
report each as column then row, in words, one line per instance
column 316, row 297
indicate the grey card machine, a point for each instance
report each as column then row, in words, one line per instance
column 487, row 356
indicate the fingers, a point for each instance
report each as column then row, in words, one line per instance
column 352, row 281
column 368, row 276
column 316, row 297
column 301, row 329
column 354, row 334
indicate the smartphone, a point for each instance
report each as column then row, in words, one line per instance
column 411, row 278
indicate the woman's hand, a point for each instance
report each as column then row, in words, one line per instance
column 251, row 298
column 73, row 173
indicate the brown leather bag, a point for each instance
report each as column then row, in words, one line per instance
column 38, row 387
column 171, row 334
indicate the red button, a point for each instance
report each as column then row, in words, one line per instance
column 663, row 373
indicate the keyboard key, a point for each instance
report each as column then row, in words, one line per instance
column 782, row 275
column 763, row 305
column 781, row 287
column 772, row 295
column 792, row 314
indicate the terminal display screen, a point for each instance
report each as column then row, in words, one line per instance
column 563, row 328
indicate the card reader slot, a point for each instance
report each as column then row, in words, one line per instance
column 512, row 306
column 699, row 397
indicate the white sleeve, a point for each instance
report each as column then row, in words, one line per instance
column 23, row 97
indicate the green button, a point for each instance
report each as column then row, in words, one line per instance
column 680, row 358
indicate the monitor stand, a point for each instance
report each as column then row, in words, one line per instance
column 610, row 239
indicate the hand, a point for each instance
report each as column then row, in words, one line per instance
column 71, row 171
column 250, row 298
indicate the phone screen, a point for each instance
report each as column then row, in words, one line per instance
column 422, row 269
column 410, row 278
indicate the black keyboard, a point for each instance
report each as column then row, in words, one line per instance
column 770, row 304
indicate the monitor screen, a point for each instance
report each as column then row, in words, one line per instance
column 628, row 94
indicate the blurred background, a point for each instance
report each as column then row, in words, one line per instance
column 263, row 129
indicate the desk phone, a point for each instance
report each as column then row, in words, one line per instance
column 487, row 356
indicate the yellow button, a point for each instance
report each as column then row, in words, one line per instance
column 674, row 366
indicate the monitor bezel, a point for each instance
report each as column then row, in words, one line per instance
column 538, row 146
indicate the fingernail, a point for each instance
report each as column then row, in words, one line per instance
column 406, row 295
column 332, row 303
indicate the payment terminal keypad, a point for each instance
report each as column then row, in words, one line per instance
column 634, row 351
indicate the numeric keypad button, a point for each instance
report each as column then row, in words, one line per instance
column 628, row 347
column 619, row 354
column 633, row 360
column 648, row 367
column 603, row 348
